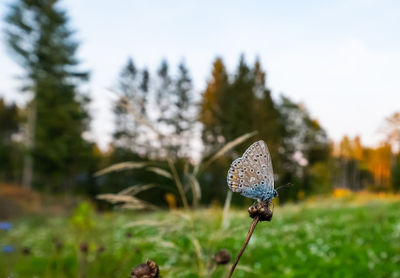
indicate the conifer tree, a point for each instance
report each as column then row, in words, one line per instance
column 133, row 85
column 266, row 115
column 37, row 33
column 212, row 109
column 163, row 102
column 10, row 152
column 183, row 119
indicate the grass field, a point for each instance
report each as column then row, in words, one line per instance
column 321, row 239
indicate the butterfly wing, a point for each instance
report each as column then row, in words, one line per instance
column 251, row 175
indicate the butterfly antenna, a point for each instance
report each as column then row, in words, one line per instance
column 285, row 185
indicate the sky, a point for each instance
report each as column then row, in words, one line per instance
column 341, row 59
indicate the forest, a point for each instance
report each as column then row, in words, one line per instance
column 159, row 117
column 157, row 201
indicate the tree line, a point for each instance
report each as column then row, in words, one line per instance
column 160, row 115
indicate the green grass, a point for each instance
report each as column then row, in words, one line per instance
column 301, row 241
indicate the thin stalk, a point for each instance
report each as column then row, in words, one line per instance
column 178, row 184
column 251, row 230
column 225, row 213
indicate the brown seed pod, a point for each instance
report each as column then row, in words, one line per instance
column 128, row 235
column 148, row 270
column 26, row 251
column 58, row 244
column 84, row 247
column 222, row 257
column 262, row 210
column 100, row 249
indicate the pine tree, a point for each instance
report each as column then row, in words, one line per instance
column 37, row 33
column 163, row 102
column 305, row 145
column 237, row 104
column 130, row 108
column 183, row 115
column 10, row 151
column 125, row 127
column 211, row 109
column 266, row 116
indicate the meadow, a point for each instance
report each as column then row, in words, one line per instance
column 335, row 237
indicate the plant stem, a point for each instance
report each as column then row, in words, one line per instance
column 251, row 230
column 178, row 184
column 225, row 213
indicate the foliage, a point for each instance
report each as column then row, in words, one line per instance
column 306, row 151
column 10, row 150
column 82, row 217
column 133, row 87
column 159, row 119
column 184, row 181
column 211, row 109
column 38, row 35
column 308, row 240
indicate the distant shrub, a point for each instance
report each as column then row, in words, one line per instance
column 15, row 201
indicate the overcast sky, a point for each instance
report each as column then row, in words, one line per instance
column 340, row 58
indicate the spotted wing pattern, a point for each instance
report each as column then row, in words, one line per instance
column 251, row 175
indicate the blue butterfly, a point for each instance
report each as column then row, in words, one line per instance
column 251, row 175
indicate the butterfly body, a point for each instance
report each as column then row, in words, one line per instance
column 252, row 175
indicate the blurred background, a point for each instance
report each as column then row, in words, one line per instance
column 119, row 119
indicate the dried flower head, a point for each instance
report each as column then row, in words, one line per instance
column 58, row 244
column 148, row 270
column 262, row 210
column 84, row 247
column 100, row 249
column 222, row 257
column 26, row 251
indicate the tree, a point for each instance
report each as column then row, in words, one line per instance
column 306, row 149
column 183, row 119
column 391, row 130
column 37, row 33
column 211, row 107
column 266, row 114
column 237, row 104
column 164, row 93
column 130, row 109
column 231, row 107
column 125, row 126
column 10, row 151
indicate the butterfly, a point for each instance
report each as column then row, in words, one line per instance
column 251, row 175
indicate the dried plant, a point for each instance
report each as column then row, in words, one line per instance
column 259, row 212
column 148, row 270
column 186, row 182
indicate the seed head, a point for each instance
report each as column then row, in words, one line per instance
column 100, row 249
column 58, row 244
column 262, row 210
column 148, row 270
column 26, row 251
column 84, row 247
column 222, row 257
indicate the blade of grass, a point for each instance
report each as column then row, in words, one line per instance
column 160, row 172
column 230, row 145
column 121, row 166
column 196, row 190
column 197, row 248
column 225, row 213
column 178, row 183
column 135, row 189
